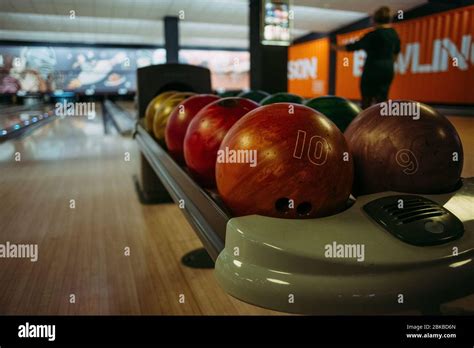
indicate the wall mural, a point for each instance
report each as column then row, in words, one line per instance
column 92, row 70
column 80, row 69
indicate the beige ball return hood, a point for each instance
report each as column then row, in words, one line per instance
column 349, row 263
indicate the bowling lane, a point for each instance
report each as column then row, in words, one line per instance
column 128, row 106
column 81, row 249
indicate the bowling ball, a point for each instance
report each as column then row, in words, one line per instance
column 282, row 98
column 256, row 96
column 205, row 133
column 227, row 94
column 179, row 120
column 162, row 114
column 419, row 152
column 153, row 106
column 339, row 110
column 284, row 160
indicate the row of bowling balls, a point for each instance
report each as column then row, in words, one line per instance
column 339, row 110
column 284, row 159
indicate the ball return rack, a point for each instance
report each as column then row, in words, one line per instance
column 160, row 173
column 418, row 249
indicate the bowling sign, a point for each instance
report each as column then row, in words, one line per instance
column 308, row 68
column 436, row 62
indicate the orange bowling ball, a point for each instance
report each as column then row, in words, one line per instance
column 284, row 160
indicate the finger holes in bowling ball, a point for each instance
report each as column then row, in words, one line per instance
column 282, row 205
column 304, row 208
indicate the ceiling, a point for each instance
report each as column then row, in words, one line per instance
column 211, row 23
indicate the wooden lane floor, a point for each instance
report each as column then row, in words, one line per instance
column 82, row 250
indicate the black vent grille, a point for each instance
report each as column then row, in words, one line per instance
column 415, row 219
column 413, row 209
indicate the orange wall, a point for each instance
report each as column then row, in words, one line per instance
column 424, row 69
column 308, row 68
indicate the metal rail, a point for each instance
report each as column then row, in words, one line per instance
column 205, row 215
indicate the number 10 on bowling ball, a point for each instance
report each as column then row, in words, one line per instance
column 318, row 148
column 303, row 165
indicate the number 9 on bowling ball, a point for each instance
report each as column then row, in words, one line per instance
column 284, row 160
column 404, row 146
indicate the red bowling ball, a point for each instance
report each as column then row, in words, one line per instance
column 179, row 120
column 205, row 133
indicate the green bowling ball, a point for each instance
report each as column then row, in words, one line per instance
column 339, row 110
column 282, row 97
column 227, row 94
column 254, row 95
